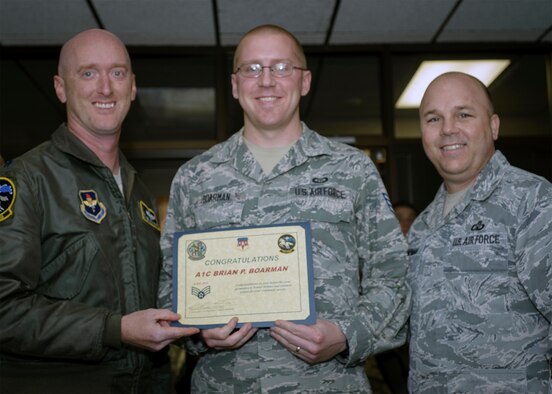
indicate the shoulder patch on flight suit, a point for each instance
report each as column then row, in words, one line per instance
column 91, row 206
column 7, row 198
column 149, row 216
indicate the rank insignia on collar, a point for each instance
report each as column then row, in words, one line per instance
column 149, row 216
column 7, row 198
column 91, row 207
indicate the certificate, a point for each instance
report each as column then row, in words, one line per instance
column 259, row 274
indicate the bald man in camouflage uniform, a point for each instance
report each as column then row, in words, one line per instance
column 481, row 256
column 359, row 253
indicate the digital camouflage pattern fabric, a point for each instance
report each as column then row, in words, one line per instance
column 481, row 280
column 359, row 257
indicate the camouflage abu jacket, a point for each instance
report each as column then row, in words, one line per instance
column 359, row 257
column 482, row 287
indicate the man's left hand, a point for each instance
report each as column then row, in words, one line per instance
column 312, row 343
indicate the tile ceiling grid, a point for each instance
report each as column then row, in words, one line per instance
column 391, row 21
column 499, row 21
column 190, row 22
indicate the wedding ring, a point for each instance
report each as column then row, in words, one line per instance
column 297, row 349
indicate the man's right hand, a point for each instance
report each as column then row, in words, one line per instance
column 150, row 329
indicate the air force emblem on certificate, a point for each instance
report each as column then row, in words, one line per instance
column 201, row 293
column 196, row 250
column 243, row 243
column 91, row 206
column 287, row 243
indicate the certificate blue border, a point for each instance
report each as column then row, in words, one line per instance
column 311, row 318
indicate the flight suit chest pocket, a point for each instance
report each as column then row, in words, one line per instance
column 64, row 277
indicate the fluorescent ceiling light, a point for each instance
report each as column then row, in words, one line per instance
column 484, row 70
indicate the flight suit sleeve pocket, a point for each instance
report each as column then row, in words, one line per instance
column 63, row 277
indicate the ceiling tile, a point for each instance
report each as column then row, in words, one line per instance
column 308, row 19
column 36, row 22
column 146, row 22
column 391, row 21
column 498, row 20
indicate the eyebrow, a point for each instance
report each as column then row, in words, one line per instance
column 456, row 108
column 95, row 65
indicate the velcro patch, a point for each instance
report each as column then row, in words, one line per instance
column 91, row 206
column 149, row 216
column 7, row 198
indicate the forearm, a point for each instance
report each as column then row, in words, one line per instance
column 34, row 326
column 377, row 323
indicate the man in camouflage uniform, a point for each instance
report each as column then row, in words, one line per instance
column 481, row 256
column 277, row 170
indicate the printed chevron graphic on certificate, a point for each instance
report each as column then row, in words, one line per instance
column 259, row 274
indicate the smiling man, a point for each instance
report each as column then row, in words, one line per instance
column 277, row 171
column 79, row 244
column 481, row 256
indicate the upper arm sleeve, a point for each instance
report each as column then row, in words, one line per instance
column 377, row 322
column 533, row 249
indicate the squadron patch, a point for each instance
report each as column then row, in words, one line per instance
column 149, row 216
column 287, row 243
column 91, row 207
column 7, row 198
column 196, row 250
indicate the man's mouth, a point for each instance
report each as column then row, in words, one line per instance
column 104, row 105
column 267, row 99
column 452, row 147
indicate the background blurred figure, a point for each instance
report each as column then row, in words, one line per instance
column 406, row 213
column 481, row 256
column 79, row 243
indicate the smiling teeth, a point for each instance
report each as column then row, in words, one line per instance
column 104, row 106
column 267, row 98
column 453, row 147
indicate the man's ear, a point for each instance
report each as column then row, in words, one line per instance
column 59, row 86
column 306, row 82
column 133, row 95
column 234, row 86
column 495, row 125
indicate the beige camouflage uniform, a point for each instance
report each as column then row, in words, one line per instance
column 359, row 257
column 481, row 280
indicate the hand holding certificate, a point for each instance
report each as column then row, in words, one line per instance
column 259, row 274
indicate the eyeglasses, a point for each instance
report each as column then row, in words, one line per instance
column 255, row 70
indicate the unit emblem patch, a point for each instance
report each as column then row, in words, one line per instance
column 287, row 243
column 91, row 206
column 7, row 198
column 149, row 216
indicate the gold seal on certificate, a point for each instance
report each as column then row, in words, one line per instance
column 259, row 274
